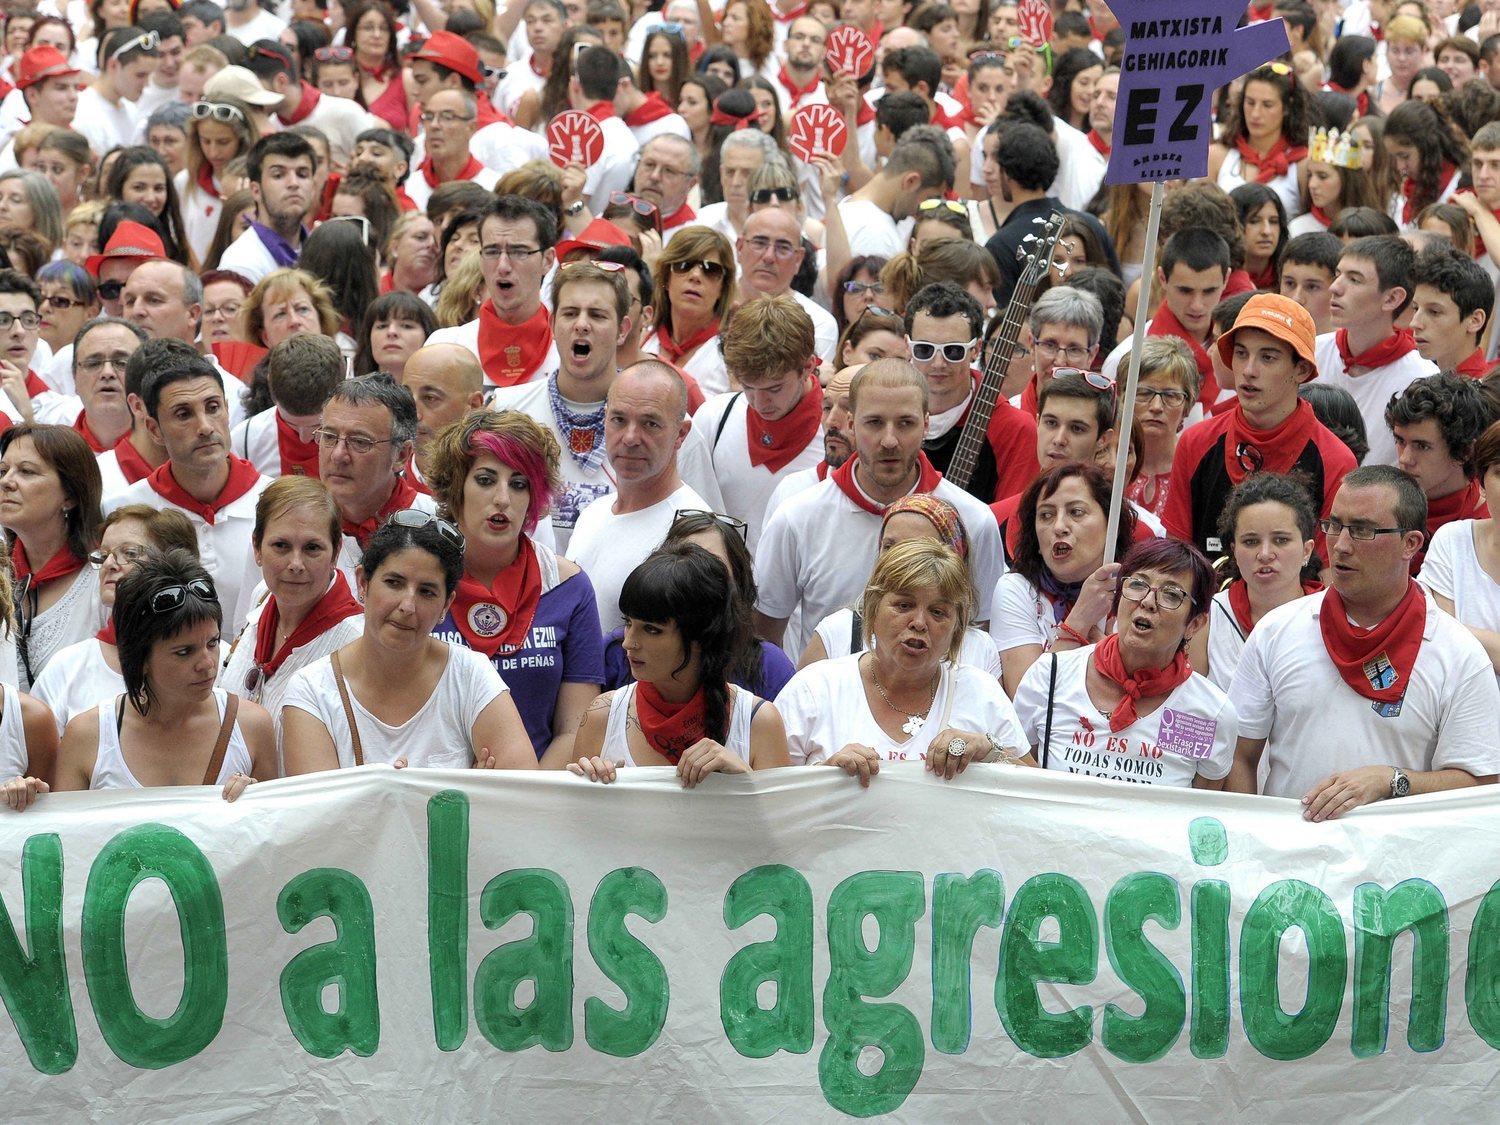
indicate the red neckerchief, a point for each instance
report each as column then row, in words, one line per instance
column 311, row 95
column 1263, row 13
column 864, row 114
column 485, row 112
column 504, row 610
column 81, row 424
column 411, row 474
column 406, row 201
column 1101, row 146
column 1275, row 163
column 928, row 478
column 601, row 111
column 387, row 283
column 1465, row 504
column 1165, row 323
column 1480, row 250
column 1388, row 651
column 654, row 108
column 106, row 635
column 1475, row 366
column 788, row 17
column 679, row 218
column 206, row 180
column 822, row 470
column 337, row 604
column 1389, row 350
column 242, row 478
column 531, row 62
column 1266, row 279
column 511, row 353
column 1409, row 191
column 1321, row 215
column 60, row 565
column 1239, row 601
column 1148, row 681
column 402, row 496
column 1362, row 100
column 36, row 385
column 795, row 92
column 671, row 729
column 238, row 358
column 467, row 172
column 298, row 458
column 1279, row 448
column 672, row 352
column 777, row 444
column 133, row 466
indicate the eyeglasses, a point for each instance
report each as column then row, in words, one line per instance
column 518, row 254
column 652, row 168
column 357, row 444
column 334, row 54
column 948, row 204
column 642, row 207
column 760, row 244
column 111, row 290
column 924, row 351
column 97, row 363
column 1361, row 531
column 729, row 522
column 710, row 269
column 218, row 111
column 860, row 288
column 170, row 598
column 445, row 118
column 149, row 41
column 129, row 553
column 61, row 303
column 1096, row 379
column 364, row 227
column 29, row 320
column 1250, row 458
column 1073, row 353
column 779, row 194
column 1169, row 398
column 1168, row 595
column 229, row 310
column 416, row 519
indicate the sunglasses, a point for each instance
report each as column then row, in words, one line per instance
column 642, row 207
column 57, row 301
column 608, row 267
column 1096, row 379
column 727, row 522
column 672, row 28
column 364, row 224
column 416, row 519
column 710, row 269
column 334, row 54
column 149, row 41
column 111, row 290
column 923, row 351
column 170, row 598
column 779, row 194
column 933, row 204
column 218, row 111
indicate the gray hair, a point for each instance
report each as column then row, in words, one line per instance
column 1062, row 304
column 41, row 197
column 173, row 113
column 106, row 322
column 763, row 143
column 381, row 390
column 695, row 160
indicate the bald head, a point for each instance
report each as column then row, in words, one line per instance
column 447, row 382
column 889, row 372
column 770, row 251
column 652, row 376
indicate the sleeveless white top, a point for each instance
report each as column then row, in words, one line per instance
column 13, row 756
column 111, row 772
column 741, row 710
column 978, row 649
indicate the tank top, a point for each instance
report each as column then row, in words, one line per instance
column 13, row 757
column 742, row 708
column 111, row 772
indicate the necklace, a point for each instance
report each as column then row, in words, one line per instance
column 913, row 724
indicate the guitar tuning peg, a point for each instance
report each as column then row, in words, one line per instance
column 1041, row 220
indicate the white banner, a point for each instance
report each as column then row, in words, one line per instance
column 434, row 945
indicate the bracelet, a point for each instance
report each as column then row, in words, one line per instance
column 1071, row 633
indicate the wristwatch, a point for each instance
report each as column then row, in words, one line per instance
column 573, row 208
column 997, row 752
column 1400, row 783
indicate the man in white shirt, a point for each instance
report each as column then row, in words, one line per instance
column 645, row 423
column 1366, row 354
column 770, row 253
column 138, row 454
column 280, row 168
column 817, row 548
column 546, row 21
column 171, row 46
column 247, row 21
column 666, row 175
column 49, row 83
column 103, row 414
column 448, row 118
column 740, row 155
column 800, row 81
column 303, row 372
column 1366, row 691
column 597, row 74
column 187, row 413
column 877, row 216
column 341, row 120
column 106, row 112
column 772, row 427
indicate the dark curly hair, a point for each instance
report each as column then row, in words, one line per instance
column 1270, row 488
column 1453, row 402
column 1028, row 561
column 1299, row 112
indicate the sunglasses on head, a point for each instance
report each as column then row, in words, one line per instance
column 953, row 205
column 170, row 598
column 1096, row 379
column 218, row 111
column 642, row 207
column 364, row 224
column 779, row 194
column 334, row 54
column 706, row 517
column 608, row 267
column 416, row 519
column 148, row 41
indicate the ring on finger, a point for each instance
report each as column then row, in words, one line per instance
column 957, row 748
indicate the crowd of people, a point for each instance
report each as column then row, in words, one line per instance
column 355, row 408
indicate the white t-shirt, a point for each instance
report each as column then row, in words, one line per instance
column 14, row 761
column 439, row 735
column 706, row 364
column 503, row 147
column 419, row 191
column 1372, row 392
column 263, row 26
column 1226, row 643
column 200, row 214
column 871, row 230
column 977, row 650
column 341, row 120
column 614, row 170
column 746, row 488
column 106, row 126
column 824, row 709
column 77, row 680
column 608, row 546
column 1021, row 614
column 247, row 256
column 1452, row 569
column 1194, row 732
column 1232, row 175
column 1288, row 691
column 1080, row 168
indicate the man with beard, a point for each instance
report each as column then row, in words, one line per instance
column 280, row 168
column 800, row 81
column 666, row 175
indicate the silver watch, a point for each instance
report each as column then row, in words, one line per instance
column 1400, row 783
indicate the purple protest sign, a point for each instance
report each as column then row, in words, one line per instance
column 1172, row 66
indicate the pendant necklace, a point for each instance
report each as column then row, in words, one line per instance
column 913, row 724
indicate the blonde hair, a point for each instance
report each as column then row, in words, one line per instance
column 1168, row 355
column 288, row 493
column 278, row 286
column 692, row 244
column 915, row 564
column 462, row 291
column 167, row 528
column 767, row 338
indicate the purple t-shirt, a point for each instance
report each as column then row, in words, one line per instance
column 565, row 646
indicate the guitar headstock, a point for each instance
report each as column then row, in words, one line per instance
column 1035, row 251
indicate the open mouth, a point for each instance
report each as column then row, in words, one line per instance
column 1142, row 624
column 582, row 349
column 1061, row 551
column 914, row 645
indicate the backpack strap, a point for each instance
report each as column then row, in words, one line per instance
column 1047, row 730
column 338, row 678
column 724, row 418
column 226, row 728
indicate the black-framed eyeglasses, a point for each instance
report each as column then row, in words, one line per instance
column 710, row 269
column 416, row 519
column 1072, row 353
column 1250, row 458
column 735, row 525
column 1168, row 595
column 357, row 444
column 1361, row 531
column 97, row 363
column 760, row 245
column 170, row 598
column 29, row 320
column 924, row 351
column 518, row 254
column 1169, row 397
column 765, row 195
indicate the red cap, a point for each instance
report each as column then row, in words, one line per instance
column 41, row 63
column 452, row 51
column 130, row 240
column 596, row 236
